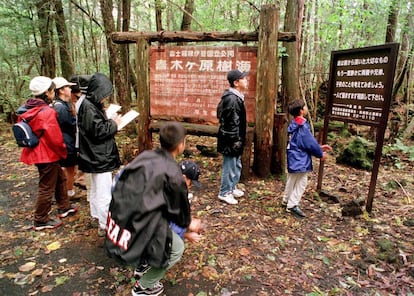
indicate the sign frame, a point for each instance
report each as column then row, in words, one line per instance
column 368, row 99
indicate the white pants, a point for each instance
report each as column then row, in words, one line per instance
column 295, row 187
column 100, row 196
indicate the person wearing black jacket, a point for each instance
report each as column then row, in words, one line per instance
column 98, row 152
column 231, row 137
column 149, row 193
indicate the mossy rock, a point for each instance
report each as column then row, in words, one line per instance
column 359, row 153
column 385, row 245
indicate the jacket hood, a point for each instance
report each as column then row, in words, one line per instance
column 99, row 87
column 296, row 123
column 31, row 103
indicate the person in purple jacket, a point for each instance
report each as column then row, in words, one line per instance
column 302, row 145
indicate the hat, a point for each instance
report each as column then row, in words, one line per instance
column 236, row 74
column 191, row 170
column 81, row 83
column 61, row 82
column 39, row 85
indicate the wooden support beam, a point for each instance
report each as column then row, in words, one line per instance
column 189, row 36
column 266, row 89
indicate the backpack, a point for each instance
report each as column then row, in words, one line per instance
column 23, row 133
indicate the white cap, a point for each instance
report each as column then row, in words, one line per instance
column 61, row 82
column 39, row 85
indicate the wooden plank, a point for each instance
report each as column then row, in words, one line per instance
column 188, row 36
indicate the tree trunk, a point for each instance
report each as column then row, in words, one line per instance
column 47, row 50
column 143, row 84
column 266, row 89
column 392, row 22
column 188, row 11
column 126, row 16
column 114, row 63
column 290, row 77
column 158, row 15
column 66, row 62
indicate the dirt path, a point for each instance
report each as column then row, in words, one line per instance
column 254, row 248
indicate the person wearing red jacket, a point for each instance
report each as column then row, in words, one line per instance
column 46, row 154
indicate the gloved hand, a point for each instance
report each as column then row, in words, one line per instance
column 237, row 145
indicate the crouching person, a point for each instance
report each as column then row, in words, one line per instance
column 149, row 194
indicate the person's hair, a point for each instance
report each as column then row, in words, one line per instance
column 43, row 96
column 171, row 135
column 295, row 106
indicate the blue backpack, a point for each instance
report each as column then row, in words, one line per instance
column 23, row 133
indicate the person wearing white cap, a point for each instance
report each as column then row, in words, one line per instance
column 67, row 123
column 46, row 155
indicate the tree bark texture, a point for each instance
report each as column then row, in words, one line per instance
column 126, row 16
column 66, row 62
column 158, row 15
column 46, row 48
column 392, row 22
column 188, row 11
column 290, row 89
column 143, row 85
column 114, row 53
column 189, row 36
column 266, row 89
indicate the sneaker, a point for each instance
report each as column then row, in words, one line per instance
column 101, row 232
column 283, row 204
column 51, row 224
column 237, row 192
column 228, row 198
column 140, row 270
column 297, row 212
column 68, row 212
column 139, row 290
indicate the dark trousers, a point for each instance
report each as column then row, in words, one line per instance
column 52, row 180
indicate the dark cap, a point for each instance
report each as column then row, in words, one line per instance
column 81, row 81
column 236, row 74
column 191, row 170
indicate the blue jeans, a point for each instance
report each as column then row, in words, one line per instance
column 230, row 174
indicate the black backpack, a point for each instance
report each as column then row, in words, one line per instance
column 23, row 133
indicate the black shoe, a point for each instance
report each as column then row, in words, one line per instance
column 140, row 270
column 139, row 290
column 283, row 204
column 51, row 224
column 68, row 212
column 297, row 212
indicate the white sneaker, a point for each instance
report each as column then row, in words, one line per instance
column 228, row 198
column 237, row 192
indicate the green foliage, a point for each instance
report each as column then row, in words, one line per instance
column 392, row 151
column 359, row 153
column 400, row 146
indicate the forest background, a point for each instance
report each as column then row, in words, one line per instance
column 61, row 38
column 254, row 248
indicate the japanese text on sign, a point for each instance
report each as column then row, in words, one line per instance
column 358, row 85
column 188, row 81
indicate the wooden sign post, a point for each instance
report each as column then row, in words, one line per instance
column 187, row 81
column 359, row 91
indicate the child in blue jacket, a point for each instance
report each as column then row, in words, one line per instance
column 302, row 145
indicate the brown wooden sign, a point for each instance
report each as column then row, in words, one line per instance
column 187, row 82
column 361, row 83
column 359, row 91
